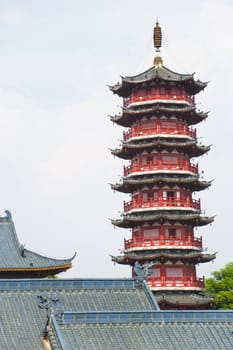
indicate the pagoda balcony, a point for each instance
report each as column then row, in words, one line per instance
column 151, row 204
column 175, row 282
column 149, row 97
column 141, row 132
column 184, row 166
column 171, row 242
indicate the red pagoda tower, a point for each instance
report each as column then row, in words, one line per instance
column 160, row 143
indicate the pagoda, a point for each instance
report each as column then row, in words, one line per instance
column 161, row 145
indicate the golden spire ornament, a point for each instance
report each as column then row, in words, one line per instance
column 157, row 36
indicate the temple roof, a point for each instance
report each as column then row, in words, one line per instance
column 19, row 262
column 129, row 184
column 130, row 115
column 187, row 299
column 132, row 257
column 72, row 314
column 160, row 73
column 143, row 331
column 26, row 305
column 128, row 149
column 132, row 220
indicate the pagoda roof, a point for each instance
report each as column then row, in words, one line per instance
column 157, row 74
column 187, row 300
column 129, row 184
column 129, row 149
column 130, row 220
column 130, row 115
column 194, row 257
column 19, row 262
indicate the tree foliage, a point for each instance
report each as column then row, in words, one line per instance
column 220, row 287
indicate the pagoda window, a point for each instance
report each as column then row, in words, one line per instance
column 136, row 235
column 153, row 91
column 149, row 160
column 168, row 123
column 174, row 271
column 150, row 196
column 170, row 159
column 171, row 195
column 162, row 91
column 144, row 161
column 148, row 124
column 151, row 233
column 172, row 232
column 156, row 272
column 175, row 92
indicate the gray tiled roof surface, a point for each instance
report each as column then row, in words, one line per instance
column 22, row 321
column 147, row 336
column 103, row 314
column 161, row 72
column 11, row 255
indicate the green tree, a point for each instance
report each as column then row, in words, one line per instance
column 220, row 287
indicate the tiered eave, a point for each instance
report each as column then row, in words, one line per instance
column 156, row 75
column 130, row 114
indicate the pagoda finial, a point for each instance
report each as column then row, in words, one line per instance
column 157, row 36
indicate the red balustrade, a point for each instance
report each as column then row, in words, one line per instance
column 156, row 282
column 151, row 242
column 140, row 131
column 183, row 166
column 150, row 204
column 146, row 97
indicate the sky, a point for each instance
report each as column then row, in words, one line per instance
column 57, row 59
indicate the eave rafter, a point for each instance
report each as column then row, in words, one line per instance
column 129, row 149
column 194, row 257
column 193, row 219
column 131, row 115
column 193, row 183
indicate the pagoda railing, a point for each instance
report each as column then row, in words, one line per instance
column 151, row 203
column 140, row 131
column 151, row 242
column 184, row 166
column 154, row 282
column 146, row 97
